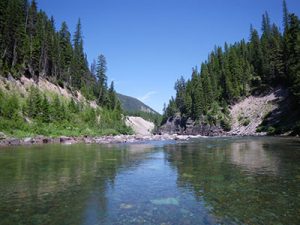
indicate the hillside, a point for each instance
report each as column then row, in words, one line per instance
column 271, row 113
column 132, row 105
column 47, row 85
column 30, row 108
column 236, row 87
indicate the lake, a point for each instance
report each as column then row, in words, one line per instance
column 202, row 181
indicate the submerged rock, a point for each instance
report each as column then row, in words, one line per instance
column 126, row 206
column 165, row 201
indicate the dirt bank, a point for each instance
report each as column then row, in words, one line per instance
column 248, row 114
column 139, row 125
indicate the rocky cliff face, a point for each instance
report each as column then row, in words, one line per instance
column 186, row 126
column 250, row 113
column 271, row 113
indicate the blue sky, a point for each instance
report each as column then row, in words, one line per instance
column 148, row 44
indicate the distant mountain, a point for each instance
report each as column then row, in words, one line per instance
column 132, row 105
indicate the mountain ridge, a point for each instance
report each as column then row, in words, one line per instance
column 132, row 105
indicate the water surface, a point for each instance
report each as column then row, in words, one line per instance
column 203, row 181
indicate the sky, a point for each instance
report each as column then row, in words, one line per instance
column 149, row 44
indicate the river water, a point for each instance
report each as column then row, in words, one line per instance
column 202, row 181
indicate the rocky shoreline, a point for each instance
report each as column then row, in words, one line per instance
column 118, row 139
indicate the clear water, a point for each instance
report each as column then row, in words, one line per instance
column 204, row 181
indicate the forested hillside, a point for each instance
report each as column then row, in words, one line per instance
column 238, row 70
column 134, row 107
column 31, row 46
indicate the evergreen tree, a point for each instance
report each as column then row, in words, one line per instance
column 78, row 65
column 113, row 99
column 102, row 79
column 256, row 55
column 66, row 52
column 198, row 101
column 285, row 16
column 45, row 116
column 293, row 53
column 13, row 34
column 34, row 103
column 180, row 88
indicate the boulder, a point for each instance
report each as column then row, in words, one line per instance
column 28, row 141
column 67, row 140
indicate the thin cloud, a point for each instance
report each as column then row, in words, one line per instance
column 147, row 96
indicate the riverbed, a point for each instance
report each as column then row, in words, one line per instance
column 229, row 180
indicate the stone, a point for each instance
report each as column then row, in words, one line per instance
column 28, row 140
column 67, row 140
column 165, row 201
column 126, row 206
column 2, row 136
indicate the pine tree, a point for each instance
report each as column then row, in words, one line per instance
column 256, row 55
column 285, row 16
column 34, row 103
column 113, row 100
column 78, row 64
column 293, row 53
column 13, row 34
column 102, row 79
column 56, row 109
column 45, row 116
column 207, row 87
column 197, row 97
column 198, row 105
column 276, row 56
column 171, row 109
column 180, row 88
column 66, row 52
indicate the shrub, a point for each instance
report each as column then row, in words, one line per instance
column 226, row 124
column 271, row 130
column 246, row 122
column 260, row 129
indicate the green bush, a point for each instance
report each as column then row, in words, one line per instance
column 260, row 129
column 226, row 124
column 246, row 122
column 271, row 130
